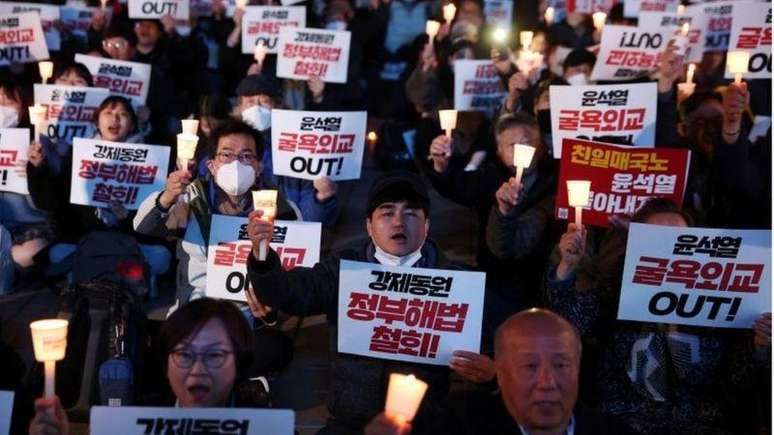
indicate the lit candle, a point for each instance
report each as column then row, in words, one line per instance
column 681, row 40
column 372, row 137
column 448, row 119
column 578, row 197
column 431, row 28
column 736, row 62
column 599, row 19
column 46, row 70
column 190, row 126
column 525, row 37
column 522, row 158
column 499, row 35
column 685, row 28
column 37, row 118
column 680, row 10
column 448, row 12
column 689, row 86
column 240, row 4
column 104, row 4
column 186, row 148
column 266, row 201
column 49, row 341
column 691, row 72
column 549, row 15
column 404, row 394
column 259, row 52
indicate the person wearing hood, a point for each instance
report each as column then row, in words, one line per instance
column 316, row 200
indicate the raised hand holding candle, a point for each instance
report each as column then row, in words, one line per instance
column 448, row 119
column 259, row 52
column 46, row 70
column 578, row 197
column 49, row 341
column 266, row 201
column 599, row 19
column 548, row 16
column 448, row 12
column 736, row 62
column 37, row 118
column 525, row 37
column 404, row 394
column 522, row 158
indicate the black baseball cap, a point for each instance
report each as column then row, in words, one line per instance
column 258, row 84
column 398, row 186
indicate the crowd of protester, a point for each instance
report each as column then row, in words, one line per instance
column 568, row 367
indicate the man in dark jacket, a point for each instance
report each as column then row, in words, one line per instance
column 397, row 224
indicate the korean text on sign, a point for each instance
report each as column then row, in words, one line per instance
column 619, row 114
column 696, row 276
column 69, row 109
column 14, row 144
column 178, row 9
column 408, row 314
column 127, row 79
column 305, row 53
column 262, row 24
column 751, row 32
column 105, row 172
column 49, row 14
column 21, row 39
column 477, row 86
column 296, row 244
column 629, row 52
column 310, row 145
column 622, row 178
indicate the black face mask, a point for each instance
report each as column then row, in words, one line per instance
column 544, row 120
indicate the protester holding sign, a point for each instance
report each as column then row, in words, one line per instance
column 657, row 378
column 397, row 224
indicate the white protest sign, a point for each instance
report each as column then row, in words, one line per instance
column 14, row 145
column 104, row 171
column 696, row 276
column 21, row 39
column 305, row 53
column 717, row 30
column 69, row 109
column 629, row 52
column 48, row 14
column 498, row 14
column 137, row 420
column 477, row 86
column 155, row 9
column 632, row 8
column 6, row 409
column 751, row 32
column 262, row 24
column 310, row 145
column 617, row 114
column 127, row 79
column 672, row 22
column 290, row 2
column 589, row 6
column 408, row 313
column 296, row 243
column 77, row 20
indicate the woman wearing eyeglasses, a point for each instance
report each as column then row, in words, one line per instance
column 206, row 349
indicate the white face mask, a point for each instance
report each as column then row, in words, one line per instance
column 257, row 116
column 336, row 25
column 235, row 178
column 579, row 79
column 183, row 31
column 9, row 117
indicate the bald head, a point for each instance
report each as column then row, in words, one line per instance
column 534, row 322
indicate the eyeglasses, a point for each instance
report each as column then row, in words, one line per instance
column 213, row 359
column 117, row 44
column 228, row 157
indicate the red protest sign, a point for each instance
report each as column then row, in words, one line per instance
column 622, row 178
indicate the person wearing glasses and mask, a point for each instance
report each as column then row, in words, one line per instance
column 206, row 351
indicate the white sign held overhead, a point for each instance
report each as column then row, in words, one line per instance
column 305, row 53
column 22, row 39
column 262, row 24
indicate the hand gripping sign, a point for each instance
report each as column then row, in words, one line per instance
column 14, row 145
column 621, row 114
column 262, row 24
column 296, row 243
column 622, row 178
column 408, row 313
column 21, row 39
column 305, row 53
column 104, row 172
column 310, row 145
column 696, row 276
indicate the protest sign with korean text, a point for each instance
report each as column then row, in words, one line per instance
column 127, row 79
column 498, row 14
column 262, row 24
column 408, row 313
column 136, row 420
column 717, row 30
column 69, row 109
column 751, row 32
column 21, row 39
column 310, row 145
column 629, row 52
column 632, row 8
column 76, row 20
column 6, row 409
column 48, row 15
column 14, row 145
column 589, row 6
column 155, row 9
column 296, row 244
column 477, row 86
column 305, row 53
column 126, row 173
column 696, row 276
column 622, row 178
column 672, row 23
column 620, row 114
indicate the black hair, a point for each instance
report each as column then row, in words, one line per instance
column 518, row 119
column 117, row 100
column 579, row 56
column 235, row 126
column 78, row 68
column 657, row 206
column 397, row 193
column 120, row 30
